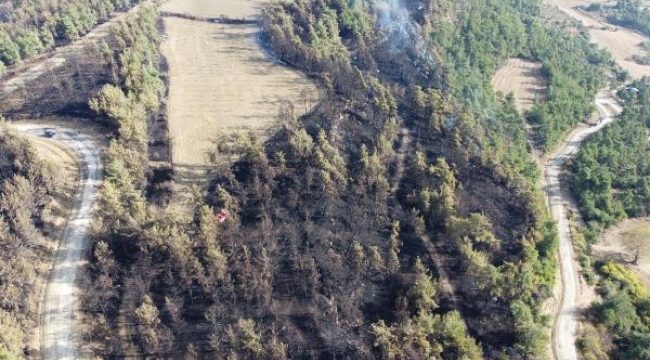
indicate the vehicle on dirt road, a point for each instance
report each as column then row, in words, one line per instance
column 49, row 132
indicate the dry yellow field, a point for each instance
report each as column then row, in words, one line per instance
column 621, row 42
column 523, row 79
column 222, row 81
column 216, row 8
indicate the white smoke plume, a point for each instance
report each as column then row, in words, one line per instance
column 399, row 30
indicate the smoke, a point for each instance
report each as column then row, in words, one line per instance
column 399, row 33
column 395, row 23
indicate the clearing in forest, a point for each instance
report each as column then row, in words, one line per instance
column 522, row 78
column 233, row 9
column 620, row 243
column 221, row 80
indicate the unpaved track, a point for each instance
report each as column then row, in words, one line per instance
column 566, row 322
column 60, row 302
column 59, row 336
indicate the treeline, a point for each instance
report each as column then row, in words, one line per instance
column 26, row 187
column 632, row 14
column 610, row 176
column 31, row 27
column 125, row 107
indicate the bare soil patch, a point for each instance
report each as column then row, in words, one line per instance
column 621, row 42
column 222, row 81
column 613, row 245
column 522, row 78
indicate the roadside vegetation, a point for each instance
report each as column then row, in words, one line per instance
column 31, row 27
column 398, row 220
column 621, row 320
column 611, row 177
column 125, row 107
column 26, row 187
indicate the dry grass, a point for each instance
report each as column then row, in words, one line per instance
column 615, row 244
column 636, row 236
column 523, row 79
column 222, row 81
column 216, row 8
column 621, row 42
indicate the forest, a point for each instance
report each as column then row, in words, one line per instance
column 610, row 176
column 480, row 40
column 31, row 27
column 349, row 226
column 26, row 187
column 621, row 320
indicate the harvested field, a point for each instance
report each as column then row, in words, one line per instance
column 216, row 8
column 523, row 79
column 621, row 42
column 613, row 245
column 222, row 81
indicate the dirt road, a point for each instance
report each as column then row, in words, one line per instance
column 60, row 302
column 566, row 322
column 60, row 305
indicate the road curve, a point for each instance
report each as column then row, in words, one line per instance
column 60, row 302
column 566, row 323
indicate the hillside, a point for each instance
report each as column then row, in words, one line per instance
column 399, row 219
column 221, row 80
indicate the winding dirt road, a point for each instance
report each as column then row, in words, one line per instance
column 60, row 302
column 59, row 336
column 566, row 323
